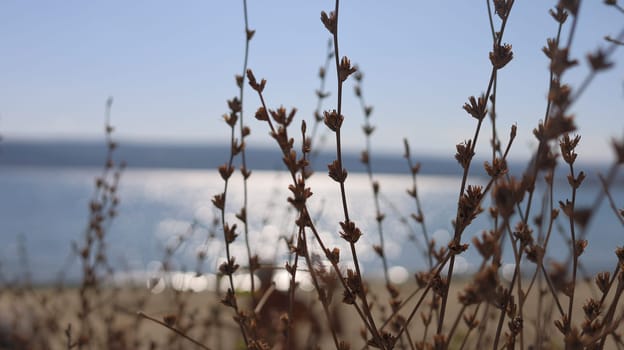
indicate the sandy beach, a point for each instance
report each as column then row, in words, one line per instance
column 42, row 316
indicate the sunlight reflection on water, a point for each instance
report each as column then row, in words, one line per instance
column 184, row 199
column 163, row 209
column 189, row 191
column 186, row 193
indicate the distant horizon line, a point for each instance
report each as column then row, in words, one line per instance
column 77, row 153
column 152, row 142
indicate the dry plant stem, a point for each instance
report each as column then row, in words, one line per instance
column 264, row 298
column 610, row 331
column 321, row 94
column 575, row 97
column 540, row 268
column 547, row 207
column 514, row 280
column 395, row 312
column 424, row 294
column 467, row 336
column 460, row 314
column 539, row 334
column 611, row 312
column 491, row 20
column 459, row 227
column 605, row 188
column 365, row 304
column 177, row 296
column 228, row 168
column 413, row 313
column 501, row 318
column 368, row 129
column 456, row 322
column 551, row 207
column 426, row 331
column 441, row 264
column 403, row 304
column 292, row 287
column 68, row 336
column 504, row 224
column 243, row 155
column 493, row 99
column 460, row 230
column 482, row 326
column 319, row 291
column 419, row 211
column 411, row 233
column 409, row 340
column 614, row 277
column 425, row 290
column 614, row 41
column 575, row 256
column 521, row 294
column 572, row 30
column 495, row 143
column 305, row 214
column 553, row 291
column 303, row 239
column 542, row 146
column 338, row 139
column 537, row 274
column 611, row 176
column 340, row 277
column 102, row 210
column 551, row 77
column 588, row 79
column 224, row 224
column 302, row 242
column 177, row 331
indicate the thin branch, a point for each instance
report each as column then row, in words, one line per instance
column 173, row 329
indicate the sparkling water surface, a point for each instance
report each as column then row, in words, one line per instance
column 44, row 209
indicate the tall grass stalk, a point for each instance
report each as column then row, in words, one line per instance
column 539, row 305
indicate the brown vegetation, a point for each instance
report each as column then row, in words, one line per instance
column 541, row 307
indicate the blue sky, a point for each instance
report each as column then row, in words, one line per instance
column 170, row 67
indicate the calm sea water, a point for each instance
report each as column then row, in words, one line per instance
column 44, row 209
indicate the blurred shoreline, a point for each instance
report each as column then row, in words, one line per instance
column 46, row 153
